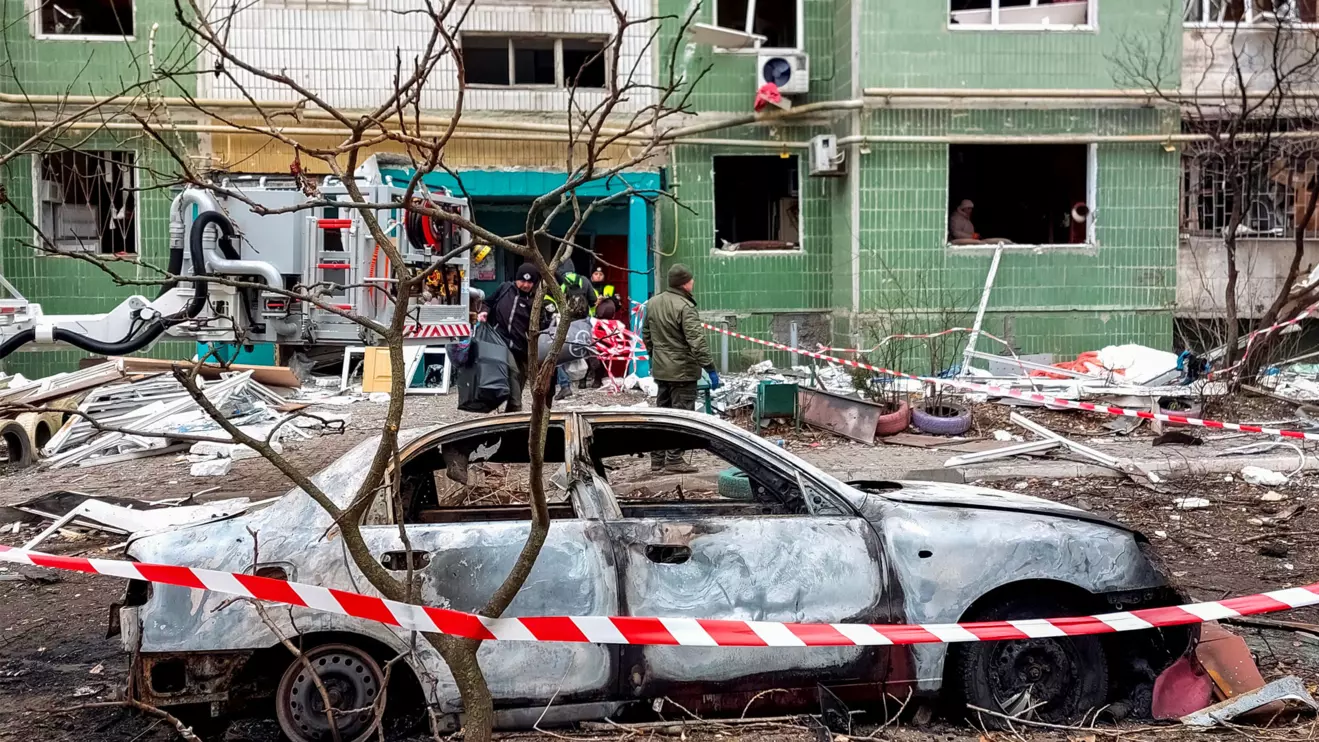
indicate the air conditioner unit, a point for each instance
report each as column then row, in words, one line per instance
column 824, row 157
column 50, row 192
column 789, row 69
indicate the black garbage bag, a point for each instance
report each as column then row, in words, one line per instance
column 485, row 380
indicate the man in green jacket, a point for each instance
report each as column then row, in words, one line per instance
column 678, row 351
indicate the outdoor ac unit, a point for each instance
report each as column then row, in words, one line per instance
column 788, row 69
column 50, row 192
column 824, row 158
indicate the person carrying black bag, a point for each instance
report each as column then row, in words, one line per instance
column 509, row 311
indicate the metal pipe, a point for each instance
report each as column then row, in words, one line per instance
column 329, row 132
column 1061, row 138
column 766, row 118
column 219, row 264
column 1065, row 94
column 723, row 349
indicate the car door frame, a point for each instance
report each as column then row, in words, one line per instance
column 586, row 501
column 633, row 663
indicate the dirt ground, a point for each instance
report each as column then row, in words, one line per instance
column 54, row 654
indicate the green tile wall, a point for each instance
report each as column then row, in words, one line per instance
column 64, row 285
column 102, row 67
column 747, row 282
column 729, row 79
column 909, row 44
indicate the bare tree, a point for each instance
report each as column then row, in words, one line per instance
column 601, row 140
column 1246, row 98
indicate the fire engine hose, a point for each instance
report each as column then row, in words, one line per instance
column 143, row 337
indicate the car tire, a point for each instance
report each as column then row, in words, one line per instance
column 353, row 680
column 1063, row 678
column 1180, row 407
column 735, row 485
column 955, row 424
column 892, row 423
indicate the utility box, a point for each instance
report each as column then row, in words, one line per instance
column 825, row 159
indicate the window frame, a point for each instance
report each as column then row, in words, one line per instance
column 801, row 211
column 1091, row 24
column 1091, row 200
column 134, row 186
column 1248, row 21
column 561, row 79
column 34, row 10
column 749, row 23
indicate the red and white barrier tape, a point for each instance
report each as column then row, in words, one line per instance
column 1250, row 339
column 662, row 631
column 907, row 336
column 1030, row 395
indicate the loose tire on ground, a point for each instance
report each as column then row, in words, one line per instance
column 892, row 423
column 734, row 485
column 940, row 424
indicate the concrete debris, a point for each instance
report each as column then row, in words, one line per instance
column 211, row 468
column 1191, row 503
column 1003, row 435
column 1260, row 476
column 1272, row 496
column 235, row 451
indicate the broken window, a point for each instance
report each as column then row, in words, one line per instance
column 1030, row 194
column 1274, row 195
column 756, row 202
column 1016, row 13
column 87, row 201
column 583, row 63
column 538, row 61
column 776, row 20
column 1262, row 12
column 482, row 477
column 86, row 18
column 728, row 479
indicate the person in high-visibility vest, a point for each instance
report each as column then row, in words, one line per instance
column 604, row 291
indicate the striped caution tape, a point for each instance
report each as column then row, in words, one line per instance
column 1305, row 314
column 700, row 632
column 1031, row 396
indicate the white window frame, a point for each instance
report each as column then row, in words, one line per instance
column 747, row 26
column 1091, row 23
column 560, row 76
column 34, row 11
column 1248, row 21
column 1091, row 200
column 801, row 212
column 135, row 183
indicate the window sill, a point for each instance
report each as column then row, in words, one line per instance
column 716, row 252
column 537, row 88
column 1298, row 25
column 1057, row 28
column 991, row 247
column 81, row 37
column 758, row 50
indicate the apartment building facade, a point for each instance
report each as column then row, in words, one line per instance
column 1016, row 106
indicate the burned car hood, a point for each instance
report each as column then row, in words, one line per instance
column 968, row 496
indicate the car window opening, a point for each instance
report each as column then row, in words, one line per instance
column 622, row 456
column 1032, row 194
column 482, row 477
column 756, row 202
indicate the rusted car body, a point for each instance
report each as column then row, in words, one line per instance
column 804, row 547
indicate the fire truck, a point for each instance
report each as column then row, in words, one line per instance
column 327, row 251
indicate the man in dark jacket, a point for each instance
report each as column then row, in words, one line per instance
column 509, row 310
column 678, row 350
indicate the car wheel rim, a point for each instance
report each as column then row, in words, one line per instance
column 1029, row 678
column 352, row 685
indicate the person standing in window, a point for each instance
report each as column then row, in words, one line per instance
column 678, row 350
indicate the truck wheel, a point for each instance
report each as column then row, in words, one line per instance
column 1054, row 680
column 352, row 680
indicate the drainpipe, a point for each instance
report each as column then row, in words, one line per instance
column 767, row 118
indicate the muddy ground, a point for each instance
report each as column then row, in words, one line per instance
column 54, row 654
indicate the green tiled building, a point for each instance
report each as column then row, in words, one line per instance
column 871, row 247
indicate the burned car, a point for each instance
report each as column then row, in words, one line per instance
column 757, row 534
